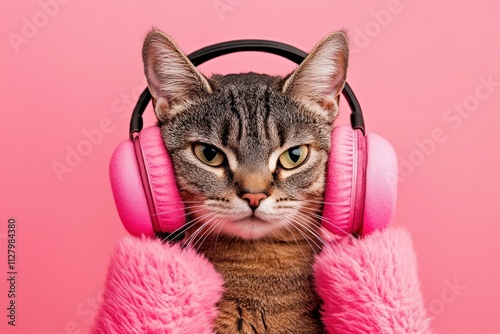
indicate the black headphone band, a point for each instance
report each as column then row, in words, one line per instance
column 281, row 49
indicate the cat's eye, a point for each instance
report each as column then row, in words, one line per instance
column 208, row 154
column 294, row 157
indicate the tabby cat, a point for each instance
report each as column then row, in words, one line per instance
column 250, row 153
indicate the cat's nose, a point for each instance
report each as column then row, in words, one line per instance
column 254, row 199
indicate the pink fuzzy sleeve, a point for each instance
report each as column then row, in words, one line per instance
column 371, row 285
column 158, row 288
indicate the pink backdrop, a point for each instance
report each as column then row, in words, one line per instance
column 426, row 73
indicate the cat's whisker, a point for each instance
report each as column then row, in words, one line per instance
column 328, row 240
column 293, row 221
column 310, row 218
column 179, row 230
column 210, row 227
column 314, row 233
column 328, row 222
column 314, row 215
column 216, row 236
column 306, row 238
column 209, row 232
column 317, row 238
column 190, row 224
column 305, row 222
column 186, row 226
column 204, row 224
column 293, row 236
column 190, row 239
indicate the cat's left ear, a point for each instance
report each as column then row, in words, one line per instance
column 172, row 79
column 321, row 76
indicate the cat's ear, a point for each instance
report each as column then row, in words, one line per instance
column 172, row 79
column 321, row 76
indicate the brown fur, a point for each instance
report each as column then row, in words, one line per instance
column 269, row 285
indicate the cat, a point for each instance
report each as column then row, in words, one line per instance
column 249, row 153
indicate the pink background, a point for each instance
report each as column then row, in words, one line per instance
column 412, row 63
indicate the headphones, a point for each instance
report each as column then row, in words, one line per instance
column 360, row 195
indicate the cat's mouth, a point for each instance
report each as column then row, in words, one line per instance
column 253, row 219
column 251, row 226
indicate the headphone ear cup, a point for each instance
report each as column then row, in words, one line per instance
column 144, row 187
column 341, row 182
column 128, row 191
column 361, row 183
column 166, row 206
column 381, row 184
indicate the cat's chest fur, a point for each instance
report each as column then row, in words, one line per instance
column 269, row 286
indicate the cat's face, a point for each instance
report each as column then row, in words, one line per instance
column 249, row 150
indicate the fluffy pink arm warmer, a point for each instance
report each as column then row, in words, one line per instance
column 158, row 288
column 371, row 285
column 367, row 286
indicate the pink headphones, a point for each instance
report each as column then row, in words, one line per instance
column 360, row 193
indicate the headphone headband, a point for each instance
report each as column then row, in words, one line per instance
column 281, row 49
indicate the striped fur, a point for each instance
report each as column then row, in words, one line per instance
column 268, row 285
